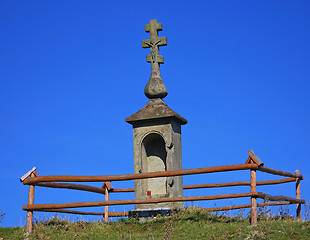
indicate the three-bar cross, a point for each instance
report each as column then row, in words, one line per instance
column 154, row 42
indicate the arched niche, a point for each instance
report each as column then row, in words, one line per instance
column 154, row 159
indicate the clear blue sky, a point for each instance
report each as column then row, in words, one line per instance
column 72, row 71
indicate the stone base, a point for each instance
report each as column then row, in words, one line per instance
column 148, row 213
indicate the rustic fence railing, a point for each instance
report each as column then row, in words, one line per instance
column 253, row 164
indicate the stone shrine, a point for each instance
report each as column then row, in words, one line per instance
column 156, row 134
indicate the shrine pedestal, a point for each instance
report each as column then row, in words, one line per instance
column 149, row 213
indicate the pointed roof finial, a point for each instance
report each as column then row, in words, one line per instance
column 155, row 88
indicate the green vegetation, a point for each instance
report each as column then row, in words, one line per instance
column 192, row 223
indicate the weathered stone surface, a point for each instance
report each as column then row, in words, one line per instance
column 155, row 87
column 157, row 146
column 156, row 135
column 157, row 186
column 155, row 109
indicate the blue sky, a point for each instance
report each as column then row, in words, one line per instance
column 72, row 71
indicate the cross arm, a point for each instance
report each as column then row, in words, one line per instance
column 160, row 59
column 155, row 24
column 161, row 41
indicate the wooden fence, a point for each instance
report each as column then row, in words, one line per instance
column 253, row 164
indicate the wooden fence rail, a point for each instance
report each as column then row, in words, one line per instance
column 253, row 164
column 172, row 173
column 134, row 201
column 158, row 200
column 195, row 186
column 124, row 214
column 111, row 214
column 280, row 173
column 80, row 187
column 136, row 176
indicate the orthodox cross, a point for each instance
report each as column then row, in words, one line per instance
column 154, row 42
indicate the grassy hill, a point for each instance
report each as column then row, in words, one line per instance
column 193, row 223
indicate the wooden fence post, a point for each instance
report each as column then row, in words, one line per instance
column 30, row 202
column 107, row 187
column 253, row 199
column 106, row 208
column 298, row 196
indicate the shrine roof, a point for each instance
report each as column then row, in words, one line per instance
column 155, row 109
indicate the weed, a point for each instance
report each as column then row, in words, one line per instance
column 2, row 214
column 189, row 223
column 306, row 207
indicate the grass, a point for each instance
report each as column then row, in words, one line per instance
column 192, row 223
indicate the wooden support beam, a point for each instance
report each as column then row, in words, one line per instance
column 255, row 159
column 27, row 174
column 36, row 174
column 253, row 199
column 30, row 203
column 298, row 196
column 136, row 201
column 139, row 175
column 108, row 185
